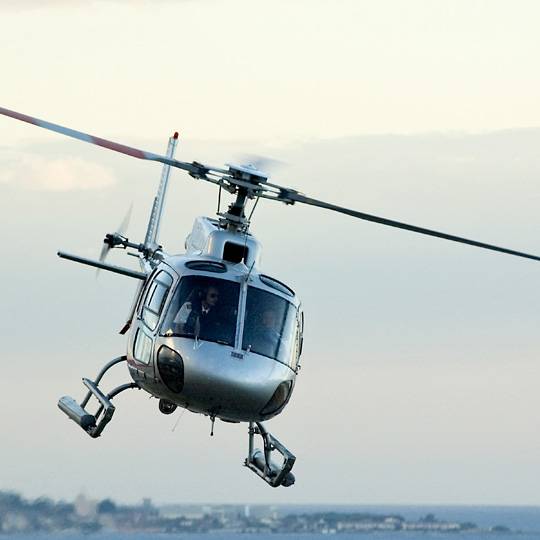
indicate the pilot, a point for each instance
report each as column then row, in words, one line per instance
column 199, row 316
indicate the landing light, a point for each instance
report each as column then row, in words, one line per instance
column 279, row 399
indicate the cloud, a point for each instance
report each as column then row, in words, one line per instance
column 54, row 174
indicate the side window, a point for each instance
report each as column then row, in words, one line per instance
column 155, row 299
column 301, row 332
column 146, row 286
column 142, row 348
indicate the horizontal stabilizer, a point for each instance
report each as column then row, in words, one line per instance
column 103, row 266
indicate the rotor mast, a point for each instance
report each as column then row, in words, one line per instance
column 235, row 218
column 247, row 182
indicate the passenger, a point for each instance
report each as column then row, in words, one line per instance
column 199, row 316
column 267, row 333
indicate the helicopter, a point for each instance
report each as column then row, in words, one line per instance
column 207, row 330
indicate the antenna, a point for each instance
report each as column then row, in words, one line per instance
column 154, row 223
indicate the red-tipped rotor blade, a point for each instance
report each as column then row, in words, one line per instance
column 92, row 139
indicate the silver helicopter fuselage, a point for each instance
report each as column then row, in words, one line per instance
column 227, row 381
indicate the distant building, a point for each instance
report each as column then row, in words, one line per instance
column 85, row 507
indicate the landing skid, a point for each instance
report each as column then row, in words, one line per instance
column 260, row 462
column 94, row 424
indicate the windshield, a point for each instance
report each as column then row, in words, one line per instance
column 204, row 308
column 269, row 325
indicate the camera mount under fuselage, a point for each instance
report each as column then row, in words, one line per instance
column 260, row 462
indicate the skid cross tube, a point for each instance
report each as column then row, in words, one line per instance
column 104, row 370
column 94, row 424
column 107, row 399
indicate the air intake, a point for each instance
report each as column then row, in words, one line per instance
column 235, row 253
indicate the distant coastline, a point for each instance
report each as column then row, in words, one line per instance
column 43, row 515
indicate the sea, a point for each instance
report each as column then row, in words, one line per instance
column 524, row 522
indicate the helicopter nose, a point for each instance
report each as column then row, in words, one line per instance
column 218, row 380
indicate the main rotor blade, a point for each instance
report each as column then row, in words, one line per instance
column 111, row 145
column 297, row 197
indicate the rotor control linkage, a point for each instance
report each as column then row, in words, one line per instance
column 260, row 462
column 94, row 424
column 247, row 182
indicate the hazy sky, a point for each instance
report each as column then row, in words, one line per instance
column 420, row 374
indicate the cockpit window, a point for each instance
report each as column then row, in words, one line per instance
column 203, row 308
column 269, row 325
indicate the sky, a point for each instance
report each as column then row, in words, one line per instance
column 420, row 371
